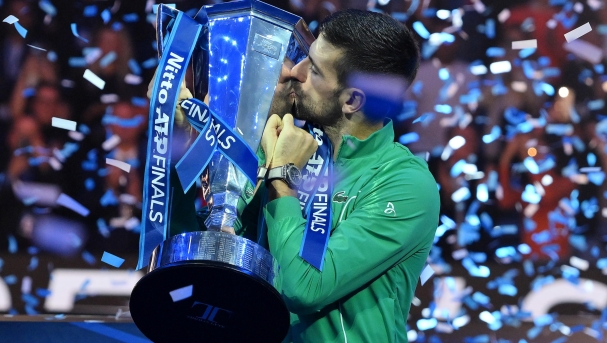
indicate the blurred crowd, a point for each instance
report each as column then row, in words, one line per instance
column 516, row 138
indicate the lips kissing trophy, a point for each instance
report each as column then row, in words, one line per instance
column 212, row 286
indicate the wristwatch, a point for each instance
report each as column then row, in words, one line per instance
column 261, row 173
column 289, row 174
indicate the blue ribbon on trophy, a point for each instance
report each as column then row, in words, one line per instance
column 214, row 135
column 315, row 199
column 175, row 56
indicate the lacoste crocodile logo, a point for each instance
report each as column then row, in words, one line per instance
column 340, row 197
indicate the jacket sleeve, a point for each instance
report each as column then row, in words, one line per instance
column 394, row 217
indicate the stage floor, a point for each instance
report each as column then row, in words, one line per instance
column 69, row 328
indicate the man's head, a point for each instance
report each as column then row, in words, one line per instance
column 352, row 43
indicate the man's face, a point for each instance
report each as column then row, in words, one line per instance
column 315, row 86
column 282, row 102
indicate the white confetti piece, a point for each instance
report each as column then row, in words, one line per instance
column 426, row 274
column 65, row 124
column 578, row 32
column 94, row 79
column 133, row 79
column 111, row 143
column 26, row 285
column 69, row 202
column 579, row 263
column 55, row 164
column 119, row 164
column 500, row 67
column 585, row 50
column 181, row 293
column 35, row 47
column 11, row 19
column 590, row 169
column 524, row 44
column 503, row 15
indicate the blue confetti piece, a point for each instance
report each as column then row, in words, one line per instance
column 560, row 340
column 116, row 26
column 90, row 11
column 426, row 324
column 107, row 59
column 467, row 300
column 33, row 263
column 504, row 252
column 108, row 199
column 528, row 267
column 10, row 279
column 534, row 332
column 89, row 184
column 109, row 119
column 477, row 339
column 43, row 292
column 112, row 260
column 51, row 56
column 481, row 298
column 77, row 62
column 543, row 320
column 75, row 33
column 89, row 258
column 84, row 129
column 22, row 31
column 181, row 293
column 524, row 53
column 106, row 16
column 490, row 28
column 510, row 290
column 1, row 264
column 30, row 299
column 68, row 202
column 595, row 105
column 29, row 92
column 30, row 311
column 12, row 244
column 135, row 69
column 496, row 52
column 443, row 74
column 150, row 63
column 407, row 138
column 47, row 7
column 130, row 18
column 443, row 108
column 424, row 118
column 421, row 30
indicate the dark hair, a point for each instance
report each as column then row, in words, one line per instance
column 372, row 43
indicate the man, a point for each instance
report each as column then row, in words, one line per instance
column 385, row 202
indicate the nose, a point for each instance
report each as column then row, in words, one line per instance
column 300, row 70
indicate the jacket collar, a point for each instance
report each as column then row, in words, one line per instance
column 352, row 147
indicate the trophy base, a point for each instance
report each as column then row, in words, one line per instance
column 227, row 304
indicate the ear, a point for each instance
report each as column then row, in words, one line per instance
column 352, row 100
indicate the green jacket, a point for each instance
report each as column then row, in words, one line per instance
column 385, row 209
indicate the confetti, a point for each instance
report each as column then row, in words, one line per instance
column 94, row 79
column 585, row 50
column 11, row 19
column 181, row 293
column 112, row 260
column 426, row 274
column 47, row 7
column 119, row 164
column 35, row 47
column 578, row 32
column 12, row 244
column 421, row 30
column 111, row 143
column 524, row 44
column 75, row 33
column 108, row 59
column 64, row 124
column 68, row 202
column 500, row 67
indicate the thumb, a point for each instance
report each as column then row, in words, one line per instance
column 288, row 121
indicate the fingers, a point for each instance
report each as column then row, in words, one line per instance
column 288, row 120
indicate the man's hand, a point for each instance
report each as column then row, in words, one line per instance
column 293, row 145
column 270, row 136
column 184, row 93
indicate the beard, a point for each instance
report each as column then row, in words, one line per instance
column 282, row 102
column 326, row 113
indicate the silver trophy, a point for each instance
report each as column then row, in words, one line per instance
column 230, row 278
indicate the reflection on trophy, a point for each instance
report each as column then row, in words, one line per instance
column 211, row 286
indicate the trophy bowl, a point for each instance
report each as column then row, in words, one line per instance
column 228, row 288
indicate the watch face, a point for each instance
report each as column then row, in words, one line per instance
column 293, row 175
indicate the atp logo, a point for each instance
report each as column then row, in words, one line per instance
column 390, row 209
column 212, row 315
